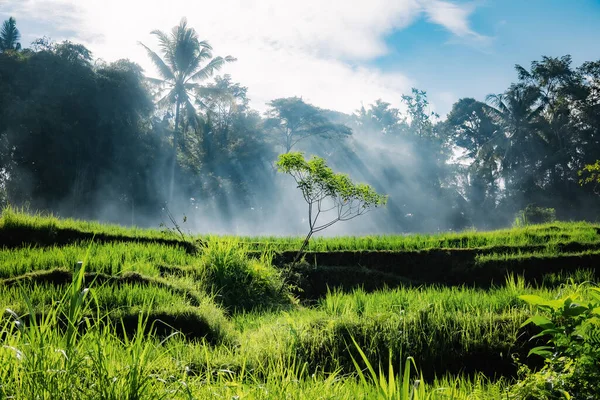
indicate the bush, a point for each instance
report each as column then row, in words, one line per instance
column 533, row 214
column 572, row 353
column 240, row 282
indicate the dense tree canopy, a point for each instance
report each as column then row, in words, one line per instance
column 101, row 140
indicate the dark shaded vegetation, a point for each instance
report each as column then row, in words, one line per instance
column 22, row 236
column 63, row 277
column 375, row 270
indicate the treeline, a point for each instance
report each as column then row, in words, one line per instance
column 90, row 139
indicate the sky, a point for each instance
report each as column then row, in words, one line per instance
column 336, row 54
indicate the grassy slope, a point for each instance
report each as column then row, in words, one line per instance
column 545, row 235
column 445, row 329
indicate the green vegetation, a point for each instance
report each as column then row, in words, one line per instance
column 547, row 235
column 324, row 191
column 188, row 137
column 48, row 224
column 148, row 318
column 535, row 215
column 572, row 354
column 91, row 310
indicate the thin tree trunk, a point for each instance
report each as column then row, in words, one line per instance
column 175, row 149
column 304, row 245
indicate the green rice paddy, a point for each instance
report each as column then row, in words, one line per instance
column 151, row 314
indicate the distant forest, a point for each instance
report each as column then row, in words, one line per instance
column 85, row 138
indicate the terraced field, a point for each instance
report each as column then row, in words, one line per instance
column 97, row 311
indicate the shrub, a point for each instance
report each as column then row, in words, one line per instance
column 572, row 353
column 533, row 214
column 240, row 282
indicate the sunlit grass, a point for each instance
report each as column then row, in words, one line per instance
column 91, row 339
column 547, row 235
column 14, row 218
column 39, row 359
column 110, row 258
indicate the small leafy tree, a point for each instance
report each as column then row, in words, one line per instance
column 590, row 174
column 327, row 192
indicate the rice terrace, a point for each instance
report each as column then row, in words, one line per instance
column 148, row 314
column 247, row 200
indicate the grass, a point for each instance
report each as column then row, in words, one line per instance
column 41, row 360
column 148, row 318
column 550, row 234
column 110, row 258
column 13, row 218
column 459, row 330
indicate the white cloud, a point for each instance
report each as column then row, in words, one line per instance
column 313, row 48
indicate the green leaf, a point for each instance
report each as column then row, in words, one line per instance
column 540, row 321
column 542, row 351
column 551, row 331
column 541, row 302
column 574, row 310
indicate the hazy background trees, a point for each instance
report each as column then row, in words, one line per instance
column 91, row 139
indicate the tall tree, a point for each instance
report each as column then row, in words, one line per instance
column 421, row 118
column 519, row 141
column 186, row 60
column 292, row 120
column 471, row 130
column 9, row 36
column 181, row 67
column 380, row 117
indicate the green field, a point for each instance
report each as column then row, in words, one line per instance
column 153, row 314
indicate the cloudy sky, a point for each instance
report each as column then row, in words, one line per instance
column 336, row 54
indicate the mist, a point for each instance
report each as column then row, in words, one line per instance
column 95, row 140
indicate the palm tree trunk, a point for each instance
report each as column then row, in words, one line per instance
column 176, row 141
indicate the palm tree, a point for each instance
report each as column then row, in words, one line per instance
column 519, row 141
column 181, row 68
column 9, row 36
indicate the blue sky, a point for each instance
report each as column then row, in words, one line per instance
column 338, row 54
column 519, row 32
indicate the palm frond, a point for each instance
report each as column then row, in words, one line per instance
column 167, row 100
column 9, row 35
column 166, row 44
column 214, row 65
column 162, row 67
column 185, row 56
column 155, row 81
column 205, row 45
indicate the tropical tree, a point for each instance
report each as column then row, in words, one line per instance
column 293, row 120
column 326, row 191
column 181, row 68
column 519, row 141
column 418, row 110
column 9, row 36
column 380, row 117
column 558, row 85
column 186, row 60
column 471, row 130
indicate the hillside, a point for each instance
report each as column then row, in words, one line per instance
column 187, row 311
